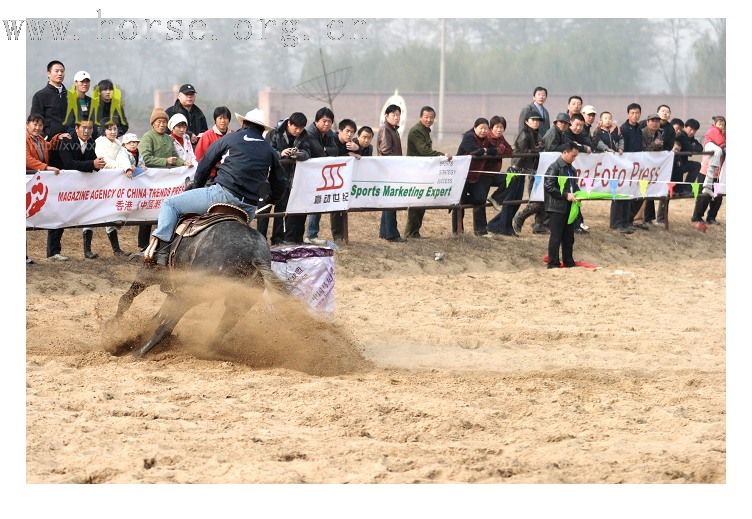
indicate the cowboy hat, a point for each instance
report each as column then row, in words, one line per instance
column 255, row 116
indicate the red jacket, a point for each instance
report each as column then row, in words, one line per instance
column 33, row 160
column 207, row 139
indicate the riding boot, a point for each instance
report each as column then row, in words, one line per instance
column 88, row 235
column 157, row 252
column 116, row 250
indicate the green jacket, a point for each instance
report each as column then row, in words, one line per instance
column 156, row 149
column 419, row 142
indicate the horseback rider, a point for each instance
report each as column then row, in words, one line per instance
column 247, row 161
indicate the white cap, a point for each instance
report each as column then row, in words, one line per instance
column 81, row 75
column 130, row 137
column 175, row 120
column 255, row 116
column 589, row 109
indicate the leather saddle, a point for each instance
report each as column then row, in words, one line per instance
column 192, row 224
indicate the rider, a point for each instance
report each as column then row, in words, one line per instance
column 247, row 160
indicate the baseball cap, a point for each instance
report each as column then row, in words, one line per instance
column 589, row 109
column 187, row 89
column 653, row 116
column 130, row 137
column 81, row 75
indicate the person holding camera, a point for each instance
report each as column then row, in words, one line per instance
column 289, row 139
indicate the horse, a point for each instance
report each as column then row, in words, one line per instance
column 228, row 248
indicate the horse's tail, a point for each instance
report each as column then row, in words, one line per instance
column 270, row 279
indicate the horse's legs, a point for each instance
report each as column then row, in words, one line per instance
column 126, row 300
column 171, row 312
column 234, row 310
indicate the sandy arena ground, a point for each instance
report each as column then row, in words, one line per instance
column 482, row 367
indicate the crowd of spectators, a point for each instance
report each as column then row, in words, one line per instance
column 68, row 129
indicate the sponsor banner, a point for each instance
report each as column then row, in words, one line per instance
column 321, row 185
column 638, row 175
column 377, row 182
column 75, row 198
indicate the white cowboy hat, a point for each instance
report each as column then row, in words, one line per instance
column 175, row 120
column 255, row 116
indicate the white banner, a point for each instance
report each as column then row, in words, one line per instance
column 321, row 185
column 339, row 183
column 721, row 189
column 640, row 175
column 75, row 198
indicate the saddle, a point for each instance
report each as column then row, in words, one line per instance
column 192, row 224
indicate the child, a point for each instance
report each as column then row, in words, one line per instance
column 608, row 135
column 130, row 143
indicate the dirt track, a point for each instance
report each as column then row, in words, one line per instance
column 483, row 367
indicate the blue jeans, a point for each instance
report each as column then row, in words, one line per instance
column 388, row 226
column 194, row 201
column 312, row 230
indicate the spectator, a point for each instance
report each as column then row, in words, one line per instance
column 221, row 127
column 247, row 162
column 607, row 135
column 475, row 191
column 79, row 154
column 554, row 140
column 715, row 141
column 111, row 150
column 623, row 211
column 692, row 145
column 652, row 140
column 51, row 102
column 79, row 104
column 419, row 144
column 186, row 104
column 540, row 94
column 115, row 157
column 365, row 136
column 679, row 167
column 179, row 126
column 668, row 137
column 322, row 143
column 38, row 149
column 588, row 114
column 558, row 201
column 498, row 126
column 346, row 145
column 574, row 106
column 527, row 142
column 584, row 143
column 290, row 140
column 576, row 134
column 158, row 151
column 107, row 107
column 388, row 144
column 37, row 159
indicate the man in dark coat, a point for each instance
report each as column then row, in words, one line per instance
column 186, row 105
column 289, row 139
column 51, row 102
column 79, row 154
column 558, row 201
column 540, row 94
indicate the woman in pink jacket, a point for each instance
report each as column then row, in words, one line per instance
column 715, row 141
